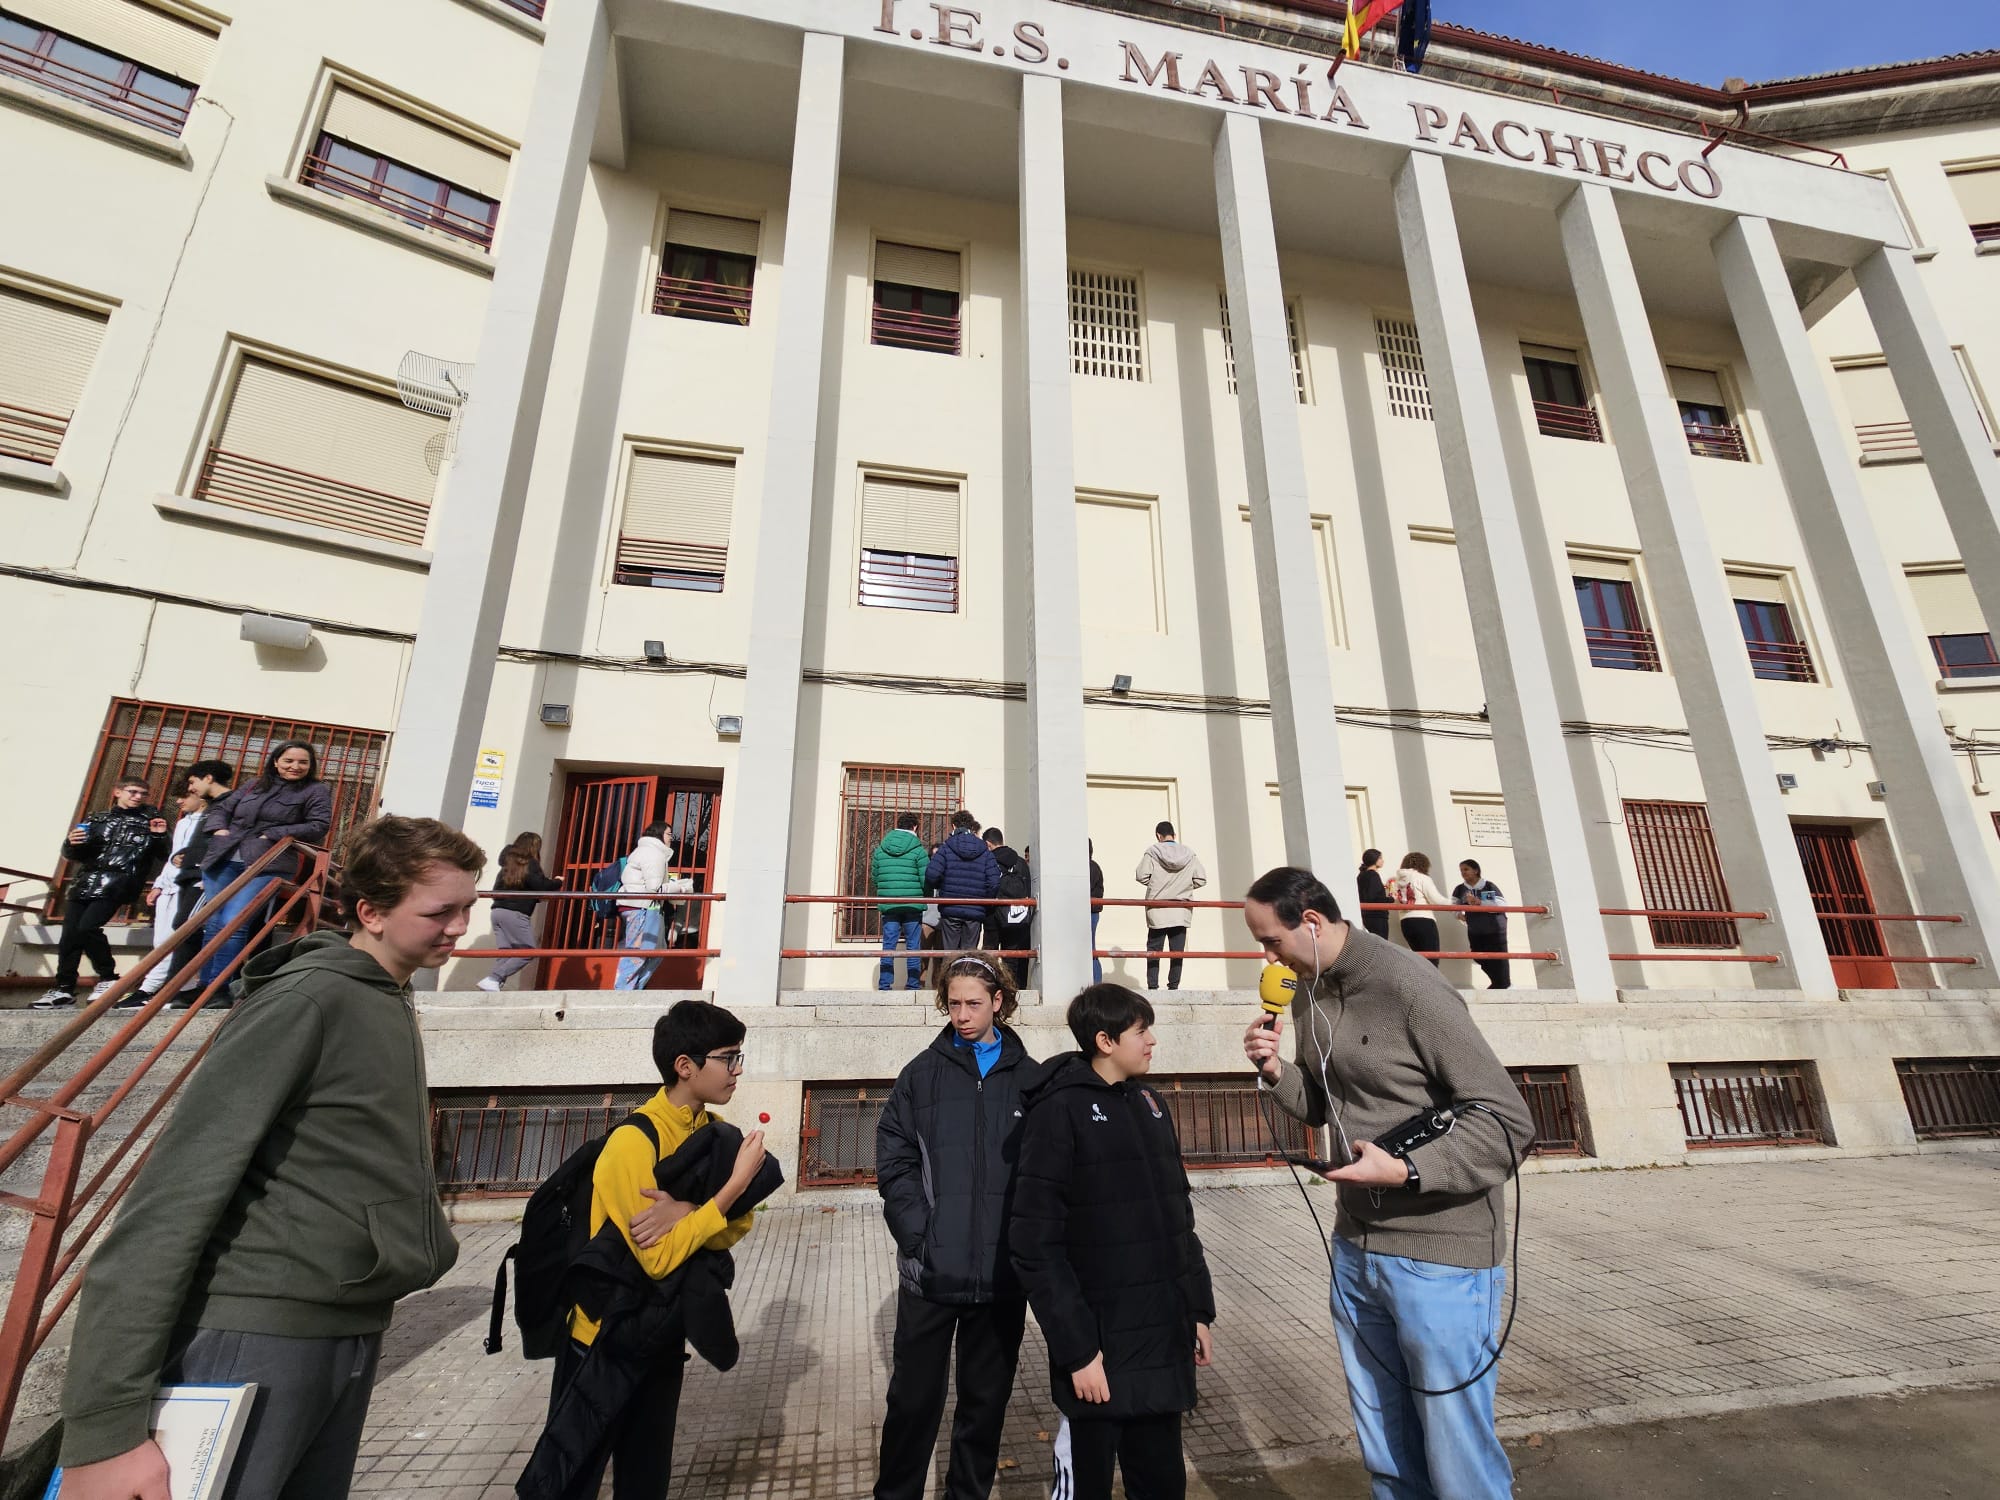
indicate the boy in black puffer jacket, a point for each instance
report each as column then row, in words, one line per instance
column 944, row 1164
column 1103, row 1238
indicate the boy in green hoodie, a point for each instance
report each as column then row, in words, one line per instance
column 898, row 867
column 288, row 1203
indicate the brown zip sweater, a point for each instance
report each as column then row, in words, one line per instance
column 1394, row 1039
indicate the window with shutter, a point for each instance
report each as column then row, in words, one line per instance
column 1876, row 407
column 1978, row 192
column 46, row 350
column 909, row 544
column 126, row 59
column 1949, row 613
column 1561, row 401
column 1106, row 334
column 1680, row 870
column 916, row 298
column 429, row 177
column 1614, row 631
column 674, row 531
column 1764, row 612
column 707, row 268
column 1291, row 337
column 1403, row 368
column 1705, row 415
column 311, row 449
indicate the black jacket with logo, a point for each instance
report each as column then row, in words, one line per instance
column 1102, row 1236
column 119, row 854
column 944, row 1163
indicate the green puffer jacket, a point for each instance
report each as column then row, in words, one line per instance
column 898, row 867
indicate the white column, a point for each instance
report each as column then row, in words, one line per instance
column 458, row 633
column 760, row 801
column 1056, row 781
column 1690, row 599
column 1312, row 790
column 1955, row 444
column 1938, row 830
column 1550, row 850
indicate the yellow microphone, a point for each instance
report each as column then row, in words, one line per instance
column 1275, row 991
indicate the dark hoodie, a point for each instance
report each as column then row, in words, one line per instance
column 944, row 1164
column 290, row 1193
column 1102, row 1236
column 963, row 867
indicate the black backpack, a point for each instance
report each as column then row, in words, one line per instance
column 1015, row 884
column 554, row 1230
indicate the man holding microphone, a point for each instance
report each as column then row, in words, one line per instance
column 1419, row 1286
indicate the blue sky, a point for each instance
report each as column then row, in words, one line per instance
column 1753, row 39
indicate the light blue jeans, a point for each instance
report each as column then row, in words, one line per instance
column 640, row 927
column 911, row 934
column 217, row 917
column 1430, row 1325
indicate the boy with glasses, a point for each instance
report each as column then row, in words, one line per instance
column 698, row 1049
column 112, row 854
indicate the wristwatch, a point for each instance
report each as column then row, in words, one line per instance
column 1415, row 1183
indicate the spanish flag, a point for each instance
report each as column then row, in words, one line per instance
column 1363, row 16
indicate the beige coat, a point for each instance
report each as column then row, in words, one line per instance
column 1170, row 870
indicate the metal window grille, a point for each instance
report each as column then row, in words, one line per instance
column 1951, row 1097
column 1221, row 1122
column 1291, row 337
column 870, row 799
column 1612, row 632
column 508, row 1141
column 837, row 1133
column 1680, row 870
column 1748, row 1104
column 1403, row 369
column 1550, row 1094
column 156, row 741
column 1106, row 336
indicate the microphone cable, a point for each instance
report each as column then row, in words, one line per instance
column 1326, row 1240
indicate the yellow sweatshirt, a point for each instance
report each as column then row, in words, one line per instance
column 624, row 1169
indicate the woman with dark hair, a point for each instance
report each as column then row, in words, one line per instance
column 1373, row 892
column 514, row 916
column 287, row 801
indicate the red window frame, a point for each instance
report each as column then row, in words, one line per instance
column 1970, row 664
column 1776, row 652
column 123, row 96
column 692, row 284
column 915, row 317
column 1612, row 631
column 1680, row 869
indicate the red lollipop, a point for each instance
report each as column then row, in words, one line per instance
column 763, row 1119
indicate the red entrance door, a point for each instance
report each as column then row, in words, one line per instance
column 1839, row 889
column 603, row 816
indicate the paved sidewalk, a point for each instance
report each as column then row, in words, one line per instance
column 1644, row 1295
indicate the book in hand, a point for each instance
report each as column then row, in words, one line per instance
column 198, row 1428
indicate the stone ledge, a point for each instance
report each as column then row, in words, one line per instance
column 65, row 111
column 372, row 221
column 235, row 518
column 32, row 476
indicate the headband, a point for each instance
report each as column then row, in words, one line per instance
column 975, row 960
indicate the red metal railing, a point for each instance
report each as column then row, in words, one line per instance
column 122, row 99
column 1951, row 1097
column 1556, row 419
column 662, row 898
column 1888, row 440
column 1747, row 1104
column 274, row 490
column 1708, row 441
column 837, row 1133
column 1781, row 661
column 29, row 434
column 1548, row 1093
column 908, row 580
column 30, row 909
column 424, row 213
column 52, row 1252
column 1622, row 650
column 936, row 332
column 710, row 301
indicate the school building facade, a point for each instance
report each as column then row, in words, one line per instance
column 770, row 416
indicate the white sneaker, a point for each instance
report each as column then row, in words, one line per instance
column 489, row 983
column 53, row 999
column 99, row 990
